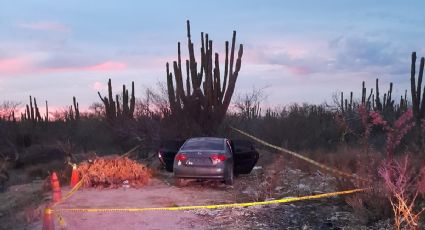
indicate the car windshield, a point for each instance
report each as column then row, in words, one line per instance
column 204, row 144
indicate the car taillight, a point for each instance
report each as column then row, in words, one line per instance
column 181, row 157
column 217, row 158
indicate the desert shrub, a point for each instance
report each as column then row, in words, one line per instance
column 403, row 186
column 393, row 184
column 297, row 127
column 113, row 172
column 371, row 205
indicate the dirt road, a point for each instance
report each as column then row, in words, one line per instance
column 159, row 193
column 263, row 183
column 269, row 180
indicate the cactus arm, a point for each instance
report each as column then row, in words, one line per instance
column 226, row 71
column 232, row 78
column 421, row 74
column 413, row 84
column 132, row 100
column 170, row 90
column 363, row 93
column 217, row 84
column 187, row 79
column 377, row 98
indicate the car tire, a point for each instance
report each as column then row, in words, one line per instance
column 229, row 177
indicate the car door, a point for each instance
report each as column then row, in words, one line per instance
column 245, row 156
column 168, row 150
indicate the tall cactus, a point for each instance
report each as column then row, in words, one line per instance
column 73, row 111
column 370, row 99
column 46, row 116
column 76, row 108
column 251, row 111
column 271, row 114
column 207, row 96
column 374, row 101
column 32, row 113
column 418, row 102
column 113, row 108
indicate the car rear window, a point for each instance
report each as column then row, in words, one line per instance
column 204, row 144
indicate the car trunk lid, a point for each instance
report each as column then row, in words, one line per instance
column 200, row 158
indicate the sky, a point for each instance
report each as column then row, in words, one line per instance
column 296, row 51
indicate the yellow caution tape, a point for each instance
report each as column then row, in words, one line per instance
column 73, row 190
column 130, row 151
column 70, row 193
column 313, row 162
column 48, row 211
column 61, row 220
column 214, row 206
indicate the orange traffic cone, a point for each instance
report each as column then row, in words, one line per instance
column 56, row 188
column 74, row 176
column 48, row 223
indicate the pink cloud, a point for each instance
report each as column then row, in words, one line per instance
column 25, row 64
column 46, row 26
column 97, row 86
column 299, row 70
column 16, row 65
column 298, row 57
column 107, row 66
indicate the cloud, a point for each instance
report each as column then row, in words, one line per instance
column 345, row 54
column 98, row 86
column 29, row 64
column 362, row 51
column 305, row 70
column 45, row 26
column 368, row 53
column 14, row 65
column 297, row 58
column 300, row 70
column 70, row 59
column 107, row 66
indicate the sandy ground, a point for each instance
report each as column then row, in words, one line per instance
column 273, row 177
column 159, row 193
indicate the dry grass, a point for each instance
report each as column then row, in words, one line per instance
column 113, row 172
column 402, row 185
column 369, row 206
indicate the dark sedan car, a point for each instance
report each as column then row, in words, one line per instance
column 205, row 157
column 208, row 158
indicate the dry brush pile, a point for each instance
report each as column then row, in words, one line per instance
column 114, row 173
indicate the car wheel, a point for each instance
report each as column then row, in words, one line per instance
column 229, row 177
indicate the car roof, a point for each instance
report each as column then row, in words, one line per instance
column 206, row 138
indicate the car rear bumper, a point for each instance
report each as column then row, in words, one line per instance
column 183, row 171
